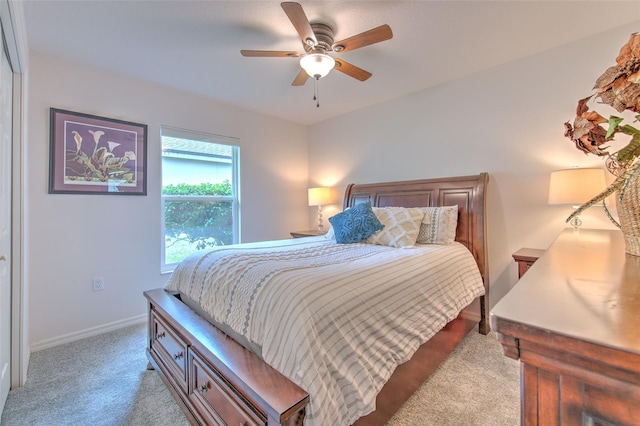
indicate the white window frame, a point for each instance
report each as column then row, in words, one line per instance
column 235, row 184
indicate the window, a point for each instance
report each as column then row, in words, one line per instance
column 199, row 193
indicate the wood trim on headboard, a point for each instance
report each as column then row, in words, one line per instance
column 467, row 192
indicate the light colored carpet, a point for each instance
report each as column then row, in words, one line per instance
column 103, row 380
column 477, row 385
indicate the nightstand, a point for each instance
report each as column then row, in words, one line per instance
column 309, row 233
column 525, row 258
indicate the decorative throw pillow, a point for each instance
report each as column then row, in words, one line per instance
column 355, row 224
column 438, row 225
column 401, row 226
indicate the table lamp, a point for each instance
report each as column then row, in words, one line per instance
column 318, row 197
column 575, row 187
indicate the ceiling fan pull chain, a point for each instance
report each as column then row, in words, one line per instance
column 316, row 96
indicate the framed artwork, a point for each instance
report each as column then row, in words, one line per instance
column 96, row 155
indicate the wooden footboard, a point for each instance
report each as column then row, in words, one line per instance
column 215, row 380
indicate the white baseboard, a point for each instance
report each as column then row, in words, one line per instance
column 94, row 331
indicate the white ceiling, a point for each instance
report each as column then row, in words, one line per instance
column 195, row 45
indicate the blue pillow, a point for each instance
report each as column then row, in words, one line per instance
column 355, row 224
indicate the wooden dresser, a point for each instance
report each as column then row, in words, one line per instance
column 574, row 322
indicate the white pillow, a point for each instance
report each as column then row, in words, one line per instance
column 401, row 226
column 331, row 234
column 438, row 225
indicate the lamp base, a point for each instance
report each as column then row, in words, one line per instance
column 576, row 222
column 320, row 225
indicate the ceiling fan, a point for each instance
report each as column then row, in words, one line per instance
column 317, row 40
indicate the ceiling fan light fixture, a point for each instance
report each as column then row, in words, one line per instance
column 317, row 65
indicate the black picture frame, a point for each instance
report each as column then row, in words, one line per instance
column 96, row 155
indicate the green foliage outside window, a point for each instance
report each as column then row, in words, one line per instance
column 215, row 189
column 197, row 223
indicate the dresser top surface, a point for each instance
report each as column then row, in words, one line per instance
column 584, row 286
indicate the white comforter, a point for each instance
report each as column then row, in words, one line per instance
column 336, row 319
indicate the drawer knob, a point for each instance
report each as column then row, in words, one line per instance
column 178, row 355
column 204, row 388
column 160, row 336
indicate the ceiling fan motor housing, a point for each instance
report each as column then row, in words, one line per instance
column 324, row 35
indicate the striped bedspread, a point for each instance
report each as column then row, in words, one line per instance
column 336, row 319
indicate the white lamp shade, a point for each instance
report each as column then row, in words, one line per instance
column 575, row 186
column 319, row 196
column 317, row 64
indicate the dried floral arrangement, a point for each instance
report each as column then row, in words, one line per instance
column 618, row 87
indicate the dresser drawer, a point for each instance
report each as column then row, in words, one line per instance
column 602, row 406
column 171, row 349
column 209, row 391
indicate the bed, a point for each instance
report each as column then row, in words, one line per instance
column 217, row 379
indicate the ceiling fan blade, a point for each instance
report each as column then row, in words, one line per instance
column 269, row 53
column 375, row 35
column 301, row 78
column 351, row 70
column 300, row 22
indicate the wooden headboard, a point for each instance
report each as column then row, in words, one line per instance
column 468, row 192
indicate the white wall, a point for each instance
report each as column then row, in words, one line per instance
column 76, row 237
column 507, row 121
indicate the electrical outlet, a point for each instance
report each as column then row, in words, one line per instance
column 98, row 283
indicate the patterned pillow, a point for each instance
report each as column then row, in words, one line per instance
column 355, row 224
column 439, row 225
column 401, row 226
